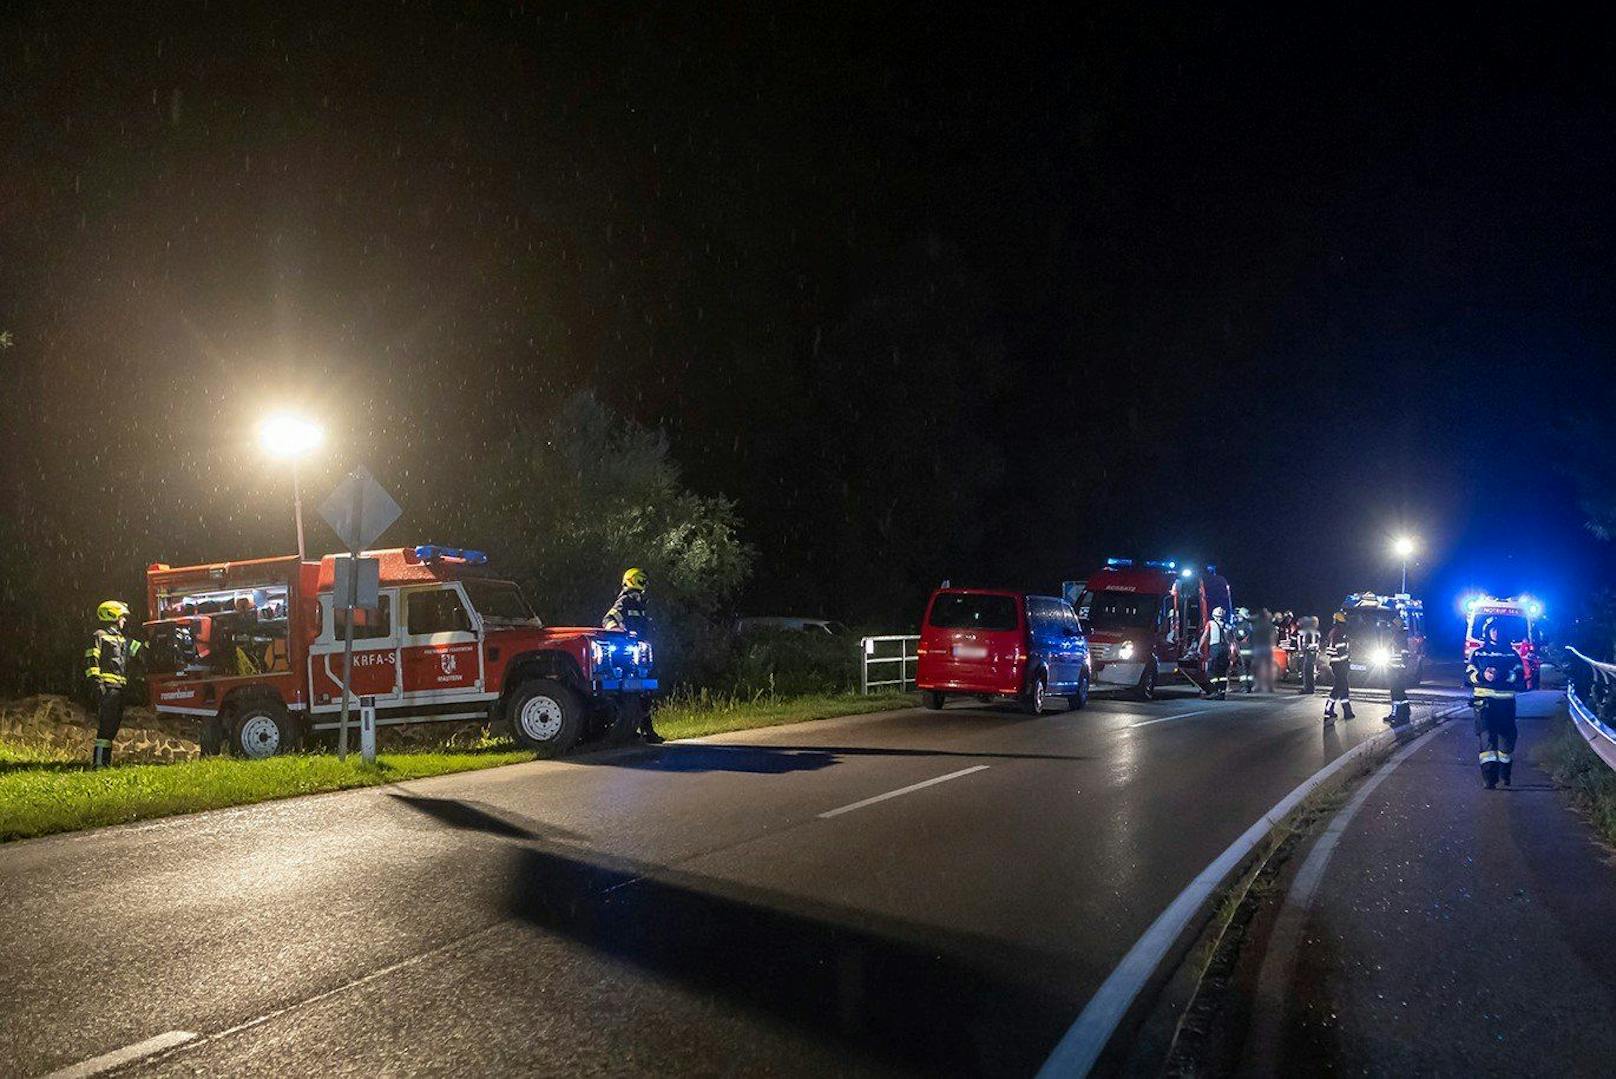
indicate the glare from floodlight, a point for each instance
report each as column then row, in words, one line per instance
column 1403, row 546
column 286, row 435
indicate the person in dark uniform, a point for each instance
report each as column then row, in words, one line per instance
column 629, row 614
column 1495, row 673
column 106, row 673
column 1397, row 674
column 1337, row 652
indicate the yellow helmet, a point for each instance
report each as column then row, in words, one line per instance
column 635, row 579
column 112, row 610
column 1341, row 616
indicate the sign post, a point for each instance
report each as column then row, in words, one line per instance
column 359, row 511
column 367, row 729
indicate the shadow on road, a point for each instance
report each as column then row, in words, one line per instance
column 468, row 817
column 882, row 751
column 698, row 757
column 902, row 993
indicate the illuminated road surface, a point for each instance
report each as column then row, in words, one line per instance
column 896, row 892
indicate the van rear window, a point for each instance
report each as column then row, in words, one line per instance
column 955, row 611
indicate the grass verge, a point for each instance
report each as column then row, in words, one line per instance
column 1589, row 780
column 45, row 790
column 41, row 797
column 695, row 716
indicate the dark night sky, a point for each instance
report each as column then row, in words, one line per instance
column 979, row 294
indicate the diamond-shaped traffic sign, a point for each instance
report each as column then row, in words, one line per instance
column 359, row 510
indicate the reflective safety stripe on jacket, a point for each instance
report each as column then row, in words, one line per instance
column 107, row 659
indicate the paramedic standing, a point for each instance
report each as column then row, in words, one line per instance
column 1337, row 652
column 106, row 670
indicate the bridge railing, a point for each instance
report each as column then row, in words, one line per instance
column 1601, row 684
column 887, row 664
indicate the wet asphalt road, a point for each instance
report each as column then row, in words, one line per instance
column 725, row 906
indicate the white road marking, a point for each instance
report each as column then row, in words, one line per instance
column 1181, row 715
column 119, row 1057
column 901, row 790
column 1086, row 1038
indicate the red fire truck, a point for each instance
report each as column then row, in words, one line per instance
column 253, row 650
column 1145, row 620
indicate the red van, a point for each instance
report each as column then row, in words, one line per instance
column 989, row 643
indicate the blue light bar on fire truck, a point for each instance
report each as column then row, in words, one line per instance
column 429, row 552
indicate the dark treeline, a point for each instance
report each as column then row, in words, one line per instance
column 925, row 293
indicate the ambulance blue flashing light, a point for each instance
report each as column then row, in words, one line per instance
column 1117, row 562
column 1186, row 573
column 429, row 552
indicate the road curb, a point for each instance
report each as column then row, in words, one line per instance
column 1122, row 1002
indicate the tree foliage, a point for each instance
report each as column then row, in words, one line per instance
column 583, row 494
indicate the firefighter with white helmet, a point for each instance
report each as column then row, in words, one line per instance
column 1215, row 646
column 106, row 674
column 1337, row 652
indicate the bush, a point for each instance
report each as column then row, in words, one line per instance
column 790, row 663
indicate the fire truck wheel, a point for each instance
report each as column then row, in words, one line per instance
column 262, row 729
column 546, row 717
column 1147, row 682
column 932, row 699
column 1079, row 696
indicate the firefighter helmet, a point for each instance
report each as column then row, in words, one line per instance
column 1341, row 616
column 112, row 610
column 635, row 579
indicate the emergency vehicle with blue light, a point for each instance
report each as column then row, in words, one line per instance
column 253, row 650
column 1144, row 621
column 1520, row 621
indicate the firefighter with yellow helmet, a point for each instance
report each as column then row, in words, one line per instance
column 106, row 673
column 629, row 614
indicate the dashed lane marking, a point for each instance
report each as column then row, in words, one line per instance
column 901, row 790
column 127, row 1055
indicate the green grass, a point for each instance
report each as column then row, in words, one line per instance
column 42, row 797
column 44, row 790
column 695, row 716
column 1589, row 780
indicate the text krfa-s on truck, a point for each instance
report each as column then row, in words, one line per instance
column 1144, row 621
column 253, row 650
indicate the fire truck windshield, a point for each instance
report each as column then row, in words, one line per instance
column 1511, row 627
column 500, row 601
column 1120, row 610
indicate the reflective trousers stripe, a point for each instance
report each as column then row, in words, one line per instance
column 1489, row 756
column 1503, row 758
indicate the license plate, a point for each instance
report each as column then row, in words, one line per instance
column 1356, row 667
column 970, row 651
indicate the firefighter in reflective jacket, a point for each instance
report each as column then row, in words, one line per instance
column 629, row 614
column 1495, row 674
column 106, row 672
column 1337, row 652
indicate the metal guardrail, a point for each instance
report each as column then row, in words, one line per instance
column 1600, row 738
column 908, row 653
